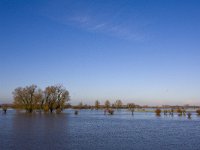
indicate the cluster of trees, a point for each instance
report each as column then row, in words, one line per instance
column 107, row 104
column 50, row 99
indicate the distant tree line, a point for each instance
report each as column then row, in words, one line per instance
column 30, row 98
column 106, row 105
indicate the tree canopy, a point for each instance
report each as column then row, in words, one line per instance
column 31, row 97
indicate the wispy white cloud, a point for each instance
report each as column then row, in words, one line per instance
column 112, row 22
column 92, row 24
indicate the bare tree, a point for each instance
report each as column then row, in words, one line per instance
column 4, row 108
column 27, row 97
column 118, row 104
column 55, row 98
column 97, row 104
column 131, row 107
column 198, row 112
column 157, row 111
column 107, row 104
column 30, row 98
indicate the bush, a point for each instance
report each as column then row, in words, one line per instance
column 111, row 112
column 198, row 111
column 76, row 112
column 157, row 111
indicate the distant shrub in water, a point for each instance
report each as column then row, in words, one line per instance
column 157, row 111
column 171, row 112
column 198, row 111
column 111, row 111
column 4, row 107
column 184, row 112
column 76, row 112
column 179, row 111
column 131, row 107
column 189, row 115
column 165, row 112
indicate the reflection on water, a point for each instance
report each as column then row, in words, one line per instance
column 92, row 129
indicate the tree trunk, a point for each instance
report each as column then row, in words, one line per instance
column 30, row 110
column 5, row 110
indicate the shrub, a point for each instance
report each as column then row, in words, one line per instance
column 157, row 111
column 76, row 112
column 111, row 111
column 198, row 111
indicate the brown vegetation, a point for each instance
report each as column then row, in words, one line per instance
column 157, row 111
column 31, row 98
column 131, row 107
column 198, row 111
column 4, row 108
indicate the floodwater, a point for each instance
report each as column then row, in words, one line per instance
column 92, row 130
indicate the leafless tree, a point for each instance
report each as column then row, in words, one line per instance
column 157, row 111
column 131, row 107
column 97, row 104
column 55, row 98
column 4, row 108
column 27, row 97
column 30, row 98
column 198, row 111
column 107, row 104
column 118, row 104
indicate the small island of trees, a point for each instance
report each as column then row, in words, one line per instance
column 31, row 98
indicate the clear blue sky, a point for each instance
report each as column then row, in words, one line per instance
column 144, row 51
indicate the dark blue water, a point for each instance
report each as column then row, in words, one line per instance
column 91, row 130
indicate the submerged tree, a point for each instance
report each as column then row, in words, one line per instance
column 189, row 115
column 131, row 107
column 110, row 111
column 118, row 104
column 30, row 98
column 4, row 108
column 55, row 98
column 97, row 104
column 27, row 97
column 198, row 111
column 157, row 111
column 107, row 104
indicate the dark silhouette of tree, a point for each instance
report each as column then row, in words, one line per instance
column 198, row 111
column 27, row 97
column 4, row 108
column 55, row 98
column 189, row 115
column 118, row 104
column 76, row 112
column 165, row 112
column 157, row 111
column 110, row 111
column 131, row 107
column 107, row 104
column 184, row 112
column 97, row 104
column 171, row 112
column 179, row 111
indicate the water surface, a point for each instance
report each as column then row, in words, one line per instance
column 91, row 129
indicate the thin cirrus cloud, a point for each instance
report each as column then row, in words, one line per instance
column 106, row 27
column 110, row 22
